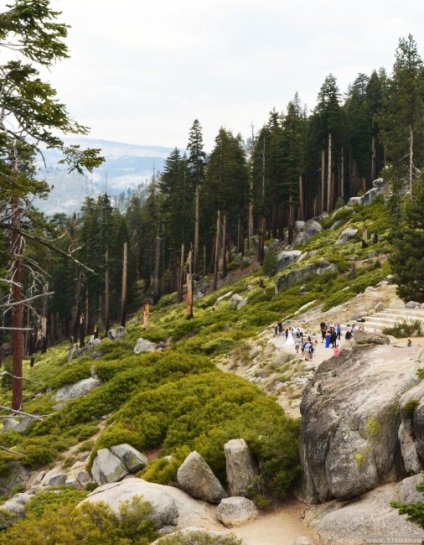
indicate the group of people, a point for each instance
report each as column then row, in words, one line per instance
column 331, row 334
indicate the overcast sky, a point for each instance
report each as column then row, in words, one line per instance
column 141, row 71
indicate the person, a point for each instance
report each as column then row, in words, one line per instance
column 297, row 344
column 289, row 337
column 409, row 343
column 348, row 334
column 327, row 338
column 336, row 351
column 280, row 328
column 275, row 326
column 339, row 331
column 323, row 328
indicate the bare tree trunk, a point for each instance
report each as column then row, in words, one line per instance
column 196, row 230
column 341, row 191
column 204, row 260
column 301, row 200
column 291, row 220
column 224, row 244
column 373, row 155
column 181, row 275
column 329, row 181
column 189, row 296
column 411, row 159
column 262, row 236
column 81, row 331
column 250, row 225
column 17, row 311
column 146, row 314
column 107, row 290
column 216, row 256
column 322, row 181
column 124, row 284
column 156, row 288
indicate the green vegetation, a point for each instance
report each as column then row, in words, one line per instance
column 199, row 538
column 403, row 329
column 414, row 511
column 52, row 518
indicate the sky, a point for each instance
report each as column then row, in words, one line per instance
column 141, row 71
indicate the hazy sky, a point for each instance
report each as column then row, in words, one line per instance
column 141, row 71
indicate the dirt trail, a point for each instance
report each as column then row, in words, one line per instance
column 280, row 527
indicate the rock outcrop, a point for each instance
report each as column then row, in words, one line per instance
column 71, row 391
column 171, row 506
column 240, row 466
column 370, row 519
column 293, row 277
column 236, row 511
column 196, row 478
column 112, row 465
column 361, row 422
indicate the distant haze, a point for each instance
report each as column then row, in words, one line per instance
column 126, row 167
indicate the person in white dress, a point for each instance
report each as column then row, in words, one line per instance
column 290, row 340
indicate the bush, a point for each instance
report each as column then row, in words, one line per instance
column 199, row 537
column 86, row 525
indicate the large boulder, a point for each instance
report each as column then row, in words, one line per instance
column 240, row 466
column 143, row 345
column 347, row 235
column 370, row 337
column 196, row 478
column 171, row 506
column 286, row 258
column 320, row 267
column 15, row 476
column 132, row 459
column 306, row 231
column 236, row 511
column 107, row 467
column 352, row 413
column 118, row 333
column 370, row 519
column 14, row 509
column 71, row 391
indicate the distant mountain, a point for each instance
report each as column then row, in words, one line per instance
column 126, row 167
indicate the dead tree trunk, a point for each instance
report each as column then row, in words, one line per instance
column 17, row 311
column 146, row 314
column 124, row 284
column 216, row 256
column 189, row 296
column 329, row 180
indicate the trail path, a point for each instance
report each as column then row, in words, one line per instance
column 284, row 524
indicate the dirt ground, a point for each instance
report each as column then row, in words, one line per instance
column 279, row 527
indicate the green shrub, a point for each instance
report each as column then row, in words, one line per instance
column 409, row 408
column 91, row 523
column 199, row 537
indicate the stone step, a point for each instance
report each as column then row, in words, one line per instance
column 418, row 312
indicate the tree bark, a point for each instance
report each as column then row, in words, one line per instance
column 322, row 181
column 301, row 199
column 224, row 244
column 124, row 284
column 216, row 256
column 107, row 290
column 329, row 181
column 17, row 310
column 196, row 230
column 156, row 289
column 181, row 274
column 146, row 314
column 189, row 296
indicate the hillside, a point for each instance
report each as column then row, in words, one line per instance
column 207, row 380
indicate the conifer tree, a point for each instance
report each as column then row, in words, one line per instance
column 30, row 115
column 407, row 259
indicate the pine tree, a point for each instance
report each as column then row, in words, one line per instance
column 196, row 165
column 30, row 115
column 407, row 259
column 402, row 116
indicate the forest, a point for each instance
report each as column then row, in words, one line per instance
column 67, row 277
